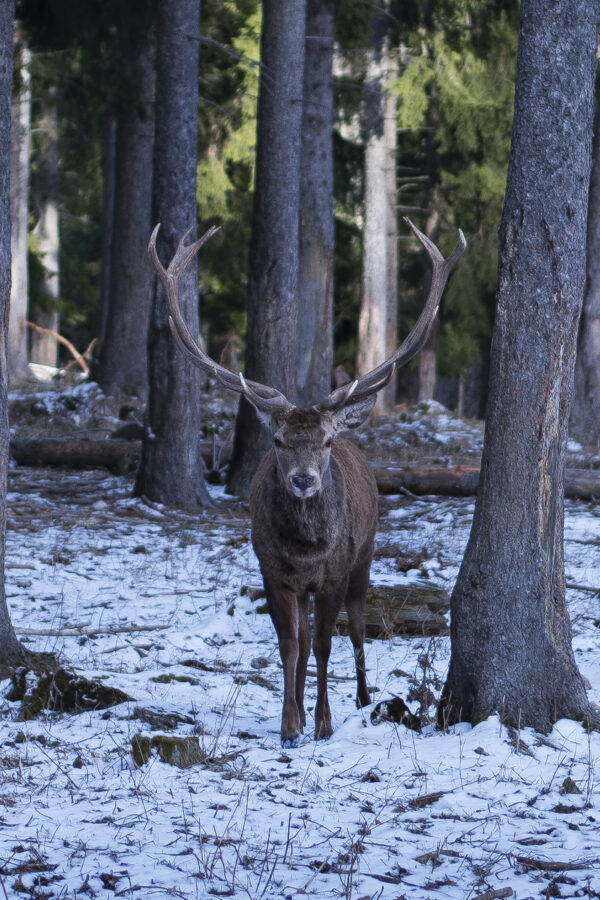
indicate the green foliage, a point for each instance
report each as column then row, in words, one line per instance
column 226, row 167
column 467, row 97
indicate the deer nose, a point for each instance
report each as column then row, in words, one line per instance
column 302, row 482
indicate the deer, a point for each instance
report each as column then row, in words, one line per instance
column 313, row 499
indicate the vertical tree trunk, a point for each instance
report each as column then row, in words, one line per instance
column 19, row 207
column 428, row 355
column 171, row 469
column 44, row 347
column 380, row 270
column 585, row 416
column 390, row 137
column 315, row 288
column 109, row 167
column 274, row 247
column 122, row 360
column 10, row 648
column 511, row 635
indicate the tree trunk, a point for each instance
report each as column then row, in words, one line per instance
column 44, row 347
column 428, row 355
column 315, row 288
column 379, row 311
column 274, row 247
column 10, row 648
column 122, row 362
column 109, row 166
column 585, row 416
column 19, row 208
column 171, row 470
column 511, row 635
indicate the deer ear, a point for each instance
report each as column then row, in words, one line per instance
column 354, row 414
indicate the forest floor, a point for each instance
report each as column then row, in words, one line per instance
column 154, row 602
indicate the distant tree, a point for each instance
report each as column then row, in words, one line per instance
column 377, row 328
column 314, row 342
column 274, row 247
column 510, row 632
column 20, row 141
column 45, row 204
column 11, row 650
column 171, row 469
column 585, row 416
column 122, row 357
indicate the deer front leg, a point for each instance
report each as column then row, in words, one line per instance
column 326, row 611
column 303, row 653
column 283, row 608
column 355, row 607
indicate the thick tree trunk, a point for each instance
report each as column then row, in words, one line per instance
column 585, row 416
column 171, row 470
column 19, row 208
column 122, row 363
column 315, row 288
column 511, row 635
column 377, row 327
column 10, row 648
column 274, row 247
column 44, row 347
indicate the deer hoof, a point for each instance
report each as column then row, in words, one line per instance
column 323, row 731
column 290, row 742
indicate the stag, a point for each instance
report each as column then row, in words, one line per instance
column 313, row 499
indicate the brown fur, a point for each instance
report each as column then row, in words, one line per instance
column 321, row 545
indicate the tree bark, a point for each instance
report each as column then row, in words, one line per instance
column 109, row 167
column 274, row 246
column 44, row 347
column 19, row 207
column 122, row 360
column 585, row 416
column 377, row 327
column 510, row 631
column 10, row 648
column 315, row 287
column 171, row 469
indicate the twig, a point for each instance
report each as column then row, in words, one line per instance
column 549, row 865
column 582, row 587
column 63, row 340
column 87, row 632
column 495, row 895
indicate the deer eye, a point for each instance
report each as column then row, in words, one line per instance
column 278, row 442
column 328, row 442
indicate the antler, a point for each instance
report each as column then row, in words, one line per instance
column 377, row 378
column 266, row 399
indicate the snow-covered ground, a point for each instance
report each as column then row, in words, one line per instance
column 154, row 602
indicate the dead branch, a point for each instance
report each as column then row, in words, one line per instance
column 495, row 895
column 82, row 631
column 63, row 340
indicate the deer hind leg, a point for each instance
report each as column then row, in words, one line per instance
column 355, row 607
column 326, row 611
column 303, row 653
column 283, row 607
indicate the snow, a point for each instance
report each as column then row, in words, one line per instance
column 373, row 812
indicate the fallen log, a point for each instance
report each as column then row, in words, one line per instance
column 413, row 610
column 115, row 454
column 119, row 456
column 462, row 481
column 453, row 481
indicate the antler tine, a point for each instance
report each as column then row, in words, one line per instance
column 264, row 397
column 377, row 378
